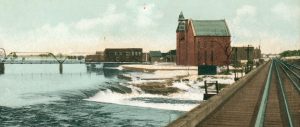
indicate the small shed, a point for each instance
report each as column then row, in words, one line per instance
column 155, row 56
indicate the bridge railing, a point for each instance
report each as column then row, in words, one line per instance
column 13, row 56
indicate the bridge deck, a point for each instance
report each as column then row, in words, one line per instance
column 269, row 96
column 282, row 103
column 240, row 108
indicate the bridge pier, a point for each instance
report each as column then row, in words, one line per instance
column 60, row 68
column 2, row 68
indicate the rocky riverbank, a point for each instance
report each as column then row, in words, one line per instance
column 167, row 80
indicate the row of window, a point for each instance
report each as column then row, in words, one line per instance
column 133, row 53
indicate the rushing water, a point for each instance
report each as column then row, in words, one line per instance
column 37, row 95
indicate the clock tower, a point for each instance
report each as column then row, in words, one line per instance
column 181, row 40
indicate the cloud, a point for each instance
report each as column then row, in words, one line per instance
column 114, row 28
column 245, row 16
column 249, row 29
column 87, row 24
column 286, row 12
column 149, row 25
column 147, row 15
column 109, row 18
column 246, row 10
column 275, row 43
column 58, row 31
column 51, row 38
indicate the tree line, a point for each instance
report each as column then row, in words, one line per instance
column 290, row 53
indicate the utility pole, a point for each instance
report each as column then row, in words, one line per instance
column 235, row 63
column 2, row 66
column 248, row 59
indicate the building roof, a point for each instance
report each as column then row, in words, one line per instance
column 181, row 24
column 210, row 28
column 99, row 52
column 172, row 52
column 155, row 54
column 181, row 17
column 122, row 49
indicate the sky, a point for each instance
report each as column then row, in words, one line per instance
column 81, row 26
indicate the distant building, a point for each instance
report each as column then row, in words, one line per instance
column 100, row 53
column 245, row 53
column 158, row 56
column 171, row 56
column 145, row 57
column 155, row 56
column 242, row 53
column 123, row 55
column 73, row 57
column 94, row 58
column 202, row 42
column 257, row 53
column 164, row 55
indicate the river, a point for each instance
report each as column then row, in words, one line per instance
column 37, row 95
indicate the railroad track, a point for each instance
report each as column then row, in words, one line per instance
column 270, row 98
column 293, row 69
column 291, row 74
column 292, row 90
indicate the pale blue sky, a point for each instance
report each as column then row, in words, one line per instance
column 86, row 26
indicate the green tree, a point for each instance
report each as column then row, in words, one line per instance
column 290, row 53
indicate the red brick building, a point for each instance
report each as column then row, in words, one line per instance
column 202, row 42
column 123, row 54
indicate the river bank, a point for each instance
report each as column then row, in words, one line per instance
column 155, row 67
column 171, row 79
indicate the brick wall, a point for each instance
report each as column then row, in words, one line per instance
column 212, row 50
column 198, row 50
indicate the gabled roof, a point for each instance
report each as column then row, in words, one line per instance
column 155, row 54
column 210, row 28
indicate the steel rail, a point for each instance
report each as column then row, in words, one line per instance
column 263, row 104
column 288, row 75
column 293, row 66
column 294, row 73
column 285, row 102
